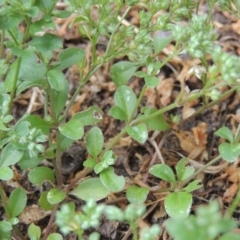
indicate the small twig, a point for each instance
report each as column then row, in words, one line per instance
column 50, row 222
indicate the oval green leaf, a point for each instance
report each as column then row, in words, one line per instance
column 178, row 204
column 55, row 196
column 17, row 201
column 157, row 123
column 229, row 151
column 56, row 79
column 226, row 133
column 91, row 116
column 29, row 63
column 111, row 181
column 34, row 232
column 44, row 203
column 55, row 236
column 151, row 82
column 118, row 113
column 164, row 172
column 122, row 71
column 137, row 194
column 10, row 155
column 159, row 43
column 91, row 188
column 6, row 173
column 47, row 42
column 94, row 141
column 70, row 56
column 72, row 129
column 40, row 174
column 138, row 132
column 125, row 99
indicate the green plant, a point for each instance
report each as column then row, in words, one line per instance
column 36, row 58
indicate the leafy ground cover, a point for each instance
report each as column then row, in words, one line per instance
column 119, row 119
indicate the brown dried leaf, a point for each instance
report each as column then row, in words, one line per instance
column 33, row 213
column 230, row 193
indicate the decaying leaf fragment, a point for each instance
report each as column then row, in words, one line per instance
column 194, row 141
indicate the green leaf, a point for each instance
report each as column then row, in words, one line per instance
column 9, row 19
column 4, row 101
column 37, row 122
column 178, row 204
column 17, row 201
column 28, row 64
column 40, row 174
column 94, row 141
column 137, row 194
column 157, row 123
column 41, row 83
column 6, row 173
column 91, row 116
column 72, row 129
column 225, row 133
column 32, row 11
column 118, row 113
column 44, row 203
column 55, row 236
column 151, row 82
column 27, row 162
column 122, row 71
column 2, row 126
column 184, row 172
column 45, row 5
column 34, row 232
column 5, row 227
column 56, row 79
column 55, row 196
column 164, row 172
column 61, row 13
column 60, row 98
column 10, row 155
column 230, row 235
column 41, row 25
column 229, row 152
column 193, row 186
column 126, row 100
column 70, row 56
column 47, row 42
column 90, row 163
column 111, row 181
column 180, row 168
column 91, row 188
column 65, row 142
column 138, row 132
column 159, row 43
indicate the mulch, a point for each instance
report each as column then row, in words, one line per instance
column 195, row 131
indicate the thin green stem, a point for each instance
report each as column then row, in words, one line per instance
column 85, row 79
column 2, row 44
column 138, row 101
column 116, row 139
column 237, row 138
column 4, row 202
column 14, row 85
column 58, row 161
column 210, row 104
column 13, row 37
column 115, row 30
column 216, row 159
